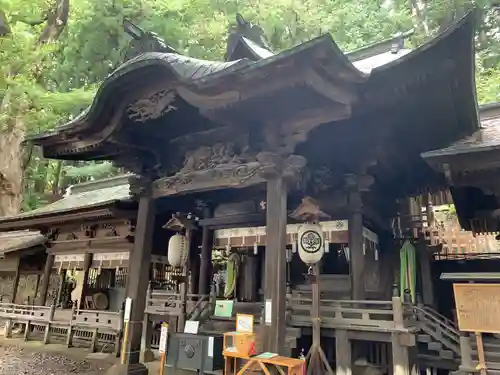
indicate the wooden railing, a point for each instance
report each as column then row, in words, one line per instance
column 74, row 322
column 172, row 304
column 440, row 328
column 352, row 315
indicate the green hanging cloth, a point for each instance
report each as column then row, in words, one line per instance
column 408, row 271
column 233, row 264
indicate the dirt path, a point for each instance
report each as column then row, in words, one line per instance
column 15, row 360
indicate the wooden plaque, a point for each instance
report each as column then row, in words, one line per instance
column 478, row 307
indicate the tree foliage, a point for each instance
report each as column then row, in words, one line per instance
column 54, row 53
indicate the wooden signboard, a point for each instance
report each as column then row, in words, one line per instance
column 478, row 307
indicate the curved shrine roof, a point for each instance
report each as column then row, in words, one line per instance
column 209, row 85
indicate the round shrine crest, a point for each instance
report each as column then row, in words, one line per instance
column 311, row 241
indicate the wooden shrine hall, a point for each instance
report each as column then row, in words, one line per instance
column 236, row 155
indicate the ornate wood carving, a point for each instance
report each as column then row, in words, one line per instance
column 309, row 210
column 153, row 107
column 220, row 166
column 98, row 235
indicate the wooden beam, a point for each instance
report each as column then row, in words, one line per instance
column 233, row 220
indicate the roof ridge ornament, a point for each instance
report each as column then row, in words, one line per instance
column 143, row 41
column 244, row 29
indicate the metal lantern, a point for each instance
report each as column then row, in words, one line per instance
column 311, row 243
column 178, row 250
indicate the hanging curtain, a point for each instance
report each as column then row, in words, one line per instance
column 233, row 264
column 408, row 272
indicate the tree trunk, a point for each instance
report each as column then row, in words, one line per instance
column 11, row 169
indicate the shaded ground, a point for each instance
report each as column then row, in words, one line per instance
column 33, row 360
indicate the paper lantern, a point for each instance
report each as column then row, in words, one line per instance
column 178, row 250
column 311, row 243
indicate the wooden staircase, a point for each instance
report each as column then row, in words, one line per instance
column 438, row 343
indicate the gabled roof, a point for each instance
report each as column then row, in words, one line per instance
column 486, row 138
column 85, row 196
column 19, row 240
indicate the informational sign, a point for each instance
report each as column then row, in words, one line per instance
column 163, row 338
column 268, row 310
column 478, row 307
column 224, row 308
column 128, row 310
column 191, row 326
column 244, row 323
column 210, row 348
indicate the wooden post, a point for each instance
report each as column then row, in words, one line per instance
column 400, row 357
column 480, row 354
column 465, row 353
column 37, row 286
column 183, row 288
column 15, row 284
column 355, row 238
column 424, row 260
column 147, row 330
column 69, row 333
column 119, row 333
column 138, row 279
column 49, row 263
column 87, row 263
column 343, row 353
column 46, row 336
column 93, row 344
column 62, row 278
column 8, row 328
column 275, row 267
column 206, row 256
column 397, row 313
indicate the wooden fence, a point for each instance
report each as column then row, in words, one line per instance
column 101, row 327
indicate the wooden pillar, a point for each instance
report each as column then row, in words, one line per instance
column 206, row 256
column 343, row 353
column 194, row 275
column 355, row 238
column 425, row 274
column 37, row 286
column 275, row 267
column 62, row 278
column 138, row 279
column 15, row 284
column 400, row 357
column 49, row 263
column 87, row 263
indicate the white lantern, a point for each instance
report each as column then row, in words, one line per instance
column 178, row 250
column 311, row 243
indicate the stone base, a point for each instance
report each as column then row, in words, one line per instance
column 128, row 369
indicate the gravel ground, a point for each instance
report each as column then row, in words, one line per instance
column 19, row 361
